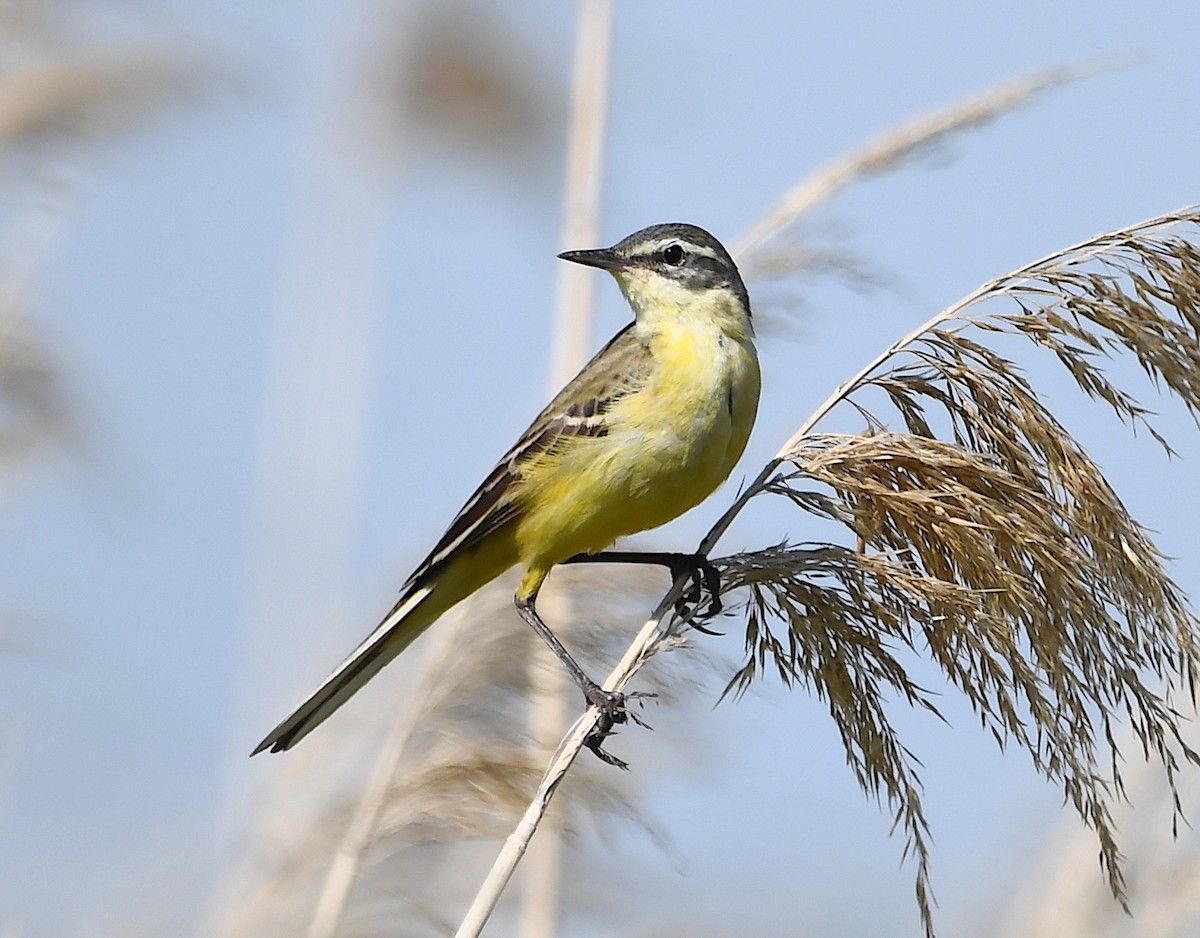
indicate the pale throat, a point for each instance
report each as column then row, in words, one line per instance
column 658, row 301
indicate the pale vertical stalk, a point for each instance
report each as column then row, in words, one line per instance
column 348, row 858
column 312, row 433
column 581, row 195
column 573, row 326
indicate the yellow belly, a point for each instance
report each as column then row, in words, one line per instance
column 668, row 447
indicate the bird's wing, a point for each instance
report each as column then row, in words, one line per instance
column 618, row 369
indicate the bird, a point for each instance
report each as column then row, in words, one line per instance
column 647, row 430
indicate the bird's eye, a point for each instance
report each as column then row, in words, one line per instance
column 673, row 254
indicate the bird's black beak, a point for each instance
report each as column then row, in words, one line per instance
column 604, row 258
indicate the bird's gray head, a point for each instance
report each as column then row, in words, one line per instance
column 681, row 254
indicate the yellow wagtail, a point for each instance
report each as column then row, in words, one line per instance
column 648, row 429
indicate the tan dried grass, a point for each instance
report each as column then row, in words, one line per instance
column 986, row 538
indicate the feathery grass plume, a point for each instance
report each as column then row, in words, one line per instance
column 455, row 768
column 55, row 93
column 986, row 537
column 890, row 150
column 94, row 98
column 49, row 98
column 784, row 246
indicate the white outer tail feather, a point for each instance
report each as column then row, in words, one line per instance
column 350, row 675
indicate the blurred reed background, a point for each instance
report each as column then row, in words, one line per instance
column 279, row 285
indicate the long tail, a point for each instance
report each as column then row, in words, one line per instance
column 408, row 619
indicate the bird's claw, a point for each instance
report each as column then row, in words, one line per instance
column 593, row 741
column 611, row 705
column 612, row 712
column 702, row 576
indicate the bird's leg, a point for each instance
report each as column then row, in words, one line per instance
column 703, row 575
column 611, row 704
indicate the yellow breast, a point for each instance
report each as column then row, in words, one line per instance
column 668, row 446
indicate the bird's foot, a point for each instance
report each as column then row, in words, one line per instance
column 611, row 705
column 702, row 575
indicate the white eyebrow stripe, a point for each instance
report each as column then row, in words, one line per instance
column 692, row 248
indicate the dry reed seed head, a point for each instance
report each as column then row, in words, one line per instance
column 98, row 96
column 890, row 150
column 463, row 792
column 988, row 539
column 837, row 644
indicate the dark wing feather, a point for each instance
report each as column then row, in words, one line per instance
column 618, row 369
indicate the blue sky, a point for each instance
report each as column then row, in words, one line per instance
column 132, row 568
